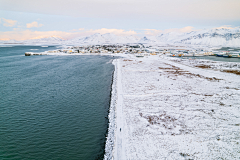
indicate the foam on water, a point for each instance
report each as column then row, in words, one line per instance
column 112, row 119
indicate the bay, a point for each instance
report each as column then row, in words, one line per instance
column 53, row 107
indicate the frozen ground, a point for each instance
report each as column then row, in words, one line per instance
column 234, row 67
column 166, row 109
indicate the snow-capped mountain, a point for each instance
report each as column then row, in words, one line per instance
column 170, row 37
column 209, row 37
column 212, row 37
column 47, row 40
column 51, row 40
column 104, row 39
column 148, row 39
column 12, row 41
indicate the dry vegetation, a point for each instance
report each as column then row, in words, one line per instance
column 231, row 88
column 177, row 71
column 167, row 122
column 237, row 72
column 203, row 66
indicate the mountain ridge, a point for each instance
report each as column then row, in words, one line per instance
column 209, row 37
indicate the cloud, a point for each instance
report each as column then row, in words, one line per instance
column 226, row 27
column 4, row 39
column 18, row 34
column 39, row 37
column 184, row 9
column 180, row 30
column 28, row 34
column 8, row 22
column 119, row 32
column 33, row 24
column 152, row 32
column 75, row 30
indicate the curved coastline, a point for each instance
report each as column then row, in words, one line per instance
column 110, row 139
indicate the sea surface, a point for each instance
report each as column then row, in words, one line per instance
column 214, row 58
column 53, row 107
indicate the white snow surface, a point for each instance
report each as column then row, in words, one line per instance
column 107, row 38
column 208, row 64
column 169, row 110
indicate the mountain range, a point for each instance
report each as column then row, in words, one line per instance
column 208, row 37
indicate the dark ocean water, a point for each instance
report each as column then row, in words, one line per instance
column 53, row 107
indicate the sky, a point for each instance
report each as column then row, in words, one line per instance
column 29, row 19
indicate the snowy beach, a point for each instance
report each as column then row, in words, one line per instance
column 166, row 108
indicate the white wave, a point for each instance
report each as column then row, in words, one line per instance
column 110, row 61
column 109, row 146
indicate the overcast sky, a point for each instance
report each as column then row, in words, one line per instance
column 24, row 19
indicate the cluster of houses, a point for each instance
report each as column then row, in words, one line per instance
column 128, row 49
column 139, row 50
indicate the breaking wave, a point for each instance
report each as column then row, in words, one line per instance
column 112, row 118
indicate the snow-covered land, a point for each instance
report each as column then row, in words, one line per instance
column 212, row 37
column 167, row 109
column 48, row 40
column 206, row 37
column 233, row 67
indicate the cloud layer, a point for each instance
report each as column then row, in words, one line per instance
column 18, row 34
column 184, row 9
column 33, row 24
column 8, row 22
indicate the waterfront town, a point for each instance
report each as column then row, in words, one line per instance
column 140, row 50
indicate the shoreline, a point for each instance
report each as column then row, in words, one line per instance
column 110, row 139
column 106, row 134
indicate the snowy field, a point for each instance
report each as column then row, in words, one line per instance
column 232, row 67
column 163, row 108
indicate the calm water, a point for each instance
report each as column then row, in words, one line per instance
column 214, row 58
column 228, row 49
column 53, row 107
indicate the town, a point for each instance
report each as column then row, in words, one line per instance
column 140, row 50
